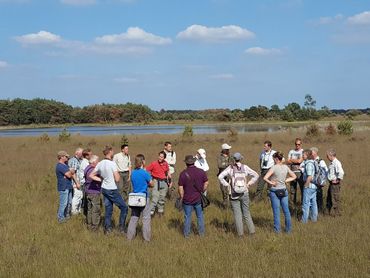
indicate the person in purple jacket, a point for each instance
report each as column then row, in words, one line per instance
column 192, row 182
column 93, row 191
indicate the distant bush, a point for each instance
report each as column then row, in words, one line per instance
column 313, row 130
column 44, row 138
column 232, row 133
column 64, row 136
column 188, row 132
column 124, row 140
column 345, row 127
column 330, row 130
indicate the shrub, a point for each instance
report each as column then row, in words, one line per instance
column 330, row 129
column 44, row 138
column 345, row 127
column 124, row 140
column 313, row 130
column 232, row 133
column 188, row 132
column 64, row 136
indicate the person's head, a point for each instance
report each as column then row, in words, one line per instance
column 331, row 154
column 62, row 156
column 86, row 153
column 267, row 145
column 139, row 161
column 278, row 157
column 315, row 152
column 225, row 149
column 201, row 153
column 161, row 156
column 168, row 146
column 94, row 159
column 124, row 148
column 108, row 152
column 237, row 157
column 78, row 152
column 298, row 143
column 307, row 154
column 189, row 160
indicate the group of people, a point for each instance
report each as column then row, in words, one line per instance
column 84, row 178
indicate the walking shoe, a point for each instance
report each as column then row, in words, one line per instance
column 123, row 230
column 61, row 221
column 108, row 231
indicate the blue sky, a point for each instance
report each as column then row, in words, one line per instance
column 186, row 54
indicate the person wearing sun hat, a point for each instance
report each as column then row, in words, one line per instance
column 201, row 161
column 64, row 185
column 223, row 161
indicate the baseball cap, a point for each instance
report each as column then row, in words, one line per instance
column 62, row 153
column 237, row 156
column 226, row 146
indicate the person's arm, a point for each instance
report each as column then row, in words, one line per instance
column 339, row 172
column 94, row 176
column 69, row 173
column 181, row 191
column 173, row 158
column 266, row 178
column 206, row 166
column 129, row 169
column 205, row 186
column 117, row 176
column 291, row 176
column 223, row 175
column 252, row 173
column 309, row 172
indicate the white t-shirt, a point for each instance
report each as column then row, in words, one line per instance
column 294, row 154
column 106, row 169
column 266, row 159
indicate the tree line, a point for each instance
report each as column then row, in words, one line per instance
column 44, row 111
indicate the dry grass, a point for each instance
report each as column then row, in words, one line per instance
column 34, row 245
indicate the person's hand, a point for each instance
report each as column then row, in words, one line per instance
column 273, row 183
column 128, row 179
column 78, row 185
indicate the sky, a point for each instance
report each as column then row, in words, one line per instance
column 174, row 54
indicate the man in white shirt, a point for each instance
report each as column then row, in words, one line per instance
column 266, row 162
column 319, row 193
column 106, row 172
column 171, row 160
column 335, row 176
column 123, row 162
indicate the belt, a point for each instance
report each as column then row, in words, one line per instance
column 124, row 171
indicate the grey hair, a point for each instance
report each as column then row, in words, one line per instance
column 331, row 152
column 94, row 158
column 314, row 149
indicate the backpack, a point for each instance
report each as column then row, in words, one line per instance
column 320, row 177
column 239, row 178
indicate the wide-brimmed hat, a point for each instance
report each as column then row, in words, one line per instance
column 189, row 159
column 226, row 146
column 238, row 156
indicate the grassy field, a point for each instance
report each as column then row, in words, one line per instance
column 33, row 244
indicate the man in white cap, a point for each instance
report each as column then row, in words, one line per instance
column 223, row 161
column 201, row 161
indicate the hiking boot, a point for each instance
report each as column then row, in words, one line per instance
column 108, row 231
column 122, row 230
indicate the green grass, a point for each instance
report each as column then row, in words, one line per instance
column 33, row 244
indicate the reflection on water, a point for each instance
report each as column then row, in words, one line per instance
column 151, row 129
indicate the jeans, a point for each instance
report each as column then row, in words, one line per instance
column 135, row 215
column 276, row 202
column 113, row 197
column 240, row 208
column 65, row 198
column 187, row 218
column 309, row 203
column 159, row 196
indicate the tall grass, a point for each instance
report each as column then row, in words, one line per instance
column 33, row 244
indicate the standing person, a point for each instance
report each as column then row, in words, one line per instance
column 159, row 170
column 171, row 160
column 309, row 205
column 224, row 160
column 277, row 177
column 335, row 176
column 64, row 185
column 192, row 182
column 141, row 181
column 238, row 188
column 75, row 163
column 266, row 162
column 106, row 171
column 93, row 191
column 86, row 155
column 295, row 158
column 123, row 161
column 201, row 161
column 319, row 192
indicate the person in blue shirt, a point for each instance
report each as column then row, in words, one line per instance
column 309, row 205
column 141, row 181
column 64, row 185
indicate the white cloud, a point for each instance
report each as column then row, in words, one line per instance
column 3, row 64
column 224, row 76
column 215, row 34
column 126, row 80
column 133, row 35
column 360, row 19
column 263, row 51
column 78, row 2
column 328, row 20
column 42, row 37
